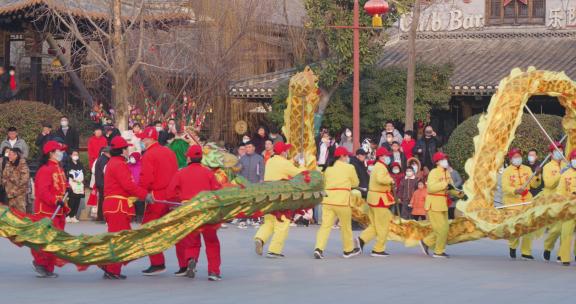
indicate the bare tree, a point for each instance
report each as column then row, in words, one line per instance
column 411, row 74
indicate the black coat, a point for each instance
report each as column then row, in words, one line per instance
column 5, row 92
column 99, row 166
column 71, row 138
column 425, row 149
column 361, row 171
column 41, row 139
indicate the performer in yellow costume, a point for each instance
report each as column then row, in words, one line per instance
column 277, row 168
column 339, row 179
column 551, row 177
column 567, row 187
column 436, row 205
column 515, row 188
column 380, row 199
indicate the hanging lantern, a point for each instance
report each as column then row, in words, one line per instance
column 376, row 8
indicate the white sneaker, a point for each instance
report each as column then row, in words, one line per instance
column 68, row 220
column 293, row 225
column 242, row 225
column 223, row 226
column 74, row 220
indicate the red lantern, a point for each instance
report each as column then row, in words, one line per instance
column 376, row 8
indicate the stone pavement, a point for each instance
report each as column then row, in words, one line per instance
column 478, row 272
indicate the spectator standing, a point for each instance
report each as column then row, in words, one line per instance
column 325, row 151
column 68, row 134
column 95, row 143
column 275, row 136
column 13, row 86
column 135, row 166
column 418, row 202
column 110, row 131
column 268, row 150
column 99, row 168
column 397, row 155
column 75, row 172
column 13, row 141
column 131, row 136
column 241, row 151
column 44, row 136
column 457, row 182
column 388, row 140
column 389, row 128
column 252, row 168
column 397, row 176
column 15, row 178
column 408, row 144
column 405, row 191
column 5, row 93
column 58, row 92
column 259, row 140
column 426, row 147
column 359, row 163
column 346, row 140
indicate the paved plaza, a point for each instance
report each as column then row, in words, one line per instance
column 478, row 272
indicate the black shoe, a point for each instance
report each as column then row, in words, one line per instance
column 354, row 252
column 214, row 277
column 191, row 272
column 547, row 255
column 273, row 255
column 527, row 257
column 109, row 276
column 558, row 260
column 441, row 256
column 154, row 270
column 259, row 246
column 318, row 254
column 424, row 248
column 360, row 243
column 51, row 275
column 382, row 254
column 181, row 272
column 40, row 270
column 512, row 253
column 565, row 263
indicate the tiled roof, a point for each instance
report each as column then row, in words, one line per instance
column 482, row 59
column 261, row 86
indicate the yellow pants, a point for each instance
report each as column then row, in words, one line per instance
column 566, row 241
column 440, row 226
column 276, row 229
column 553, row 234
column 526, row 247
column 329, row 215
column 379, row 226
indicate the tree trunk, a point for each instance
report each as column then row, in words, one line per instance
column 325, row 95
column 411, row 77
column 120, row 87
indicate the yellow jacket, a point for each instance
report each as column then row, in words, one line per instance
column 513, row 178
column 380, row 187
column 279, row 168
column 567, row 182
column 338, row 182
column 438, row 181
column 551, row 175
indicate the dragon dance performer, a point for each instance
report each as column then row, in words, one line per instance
column 380, row 199
column 120, row 193
column 50, row 188
column 185, row 185
column 339, row 179
column 514, row 179
column 277, row 168
column 437, row 201
column 567, row 187
column 551, row 177
column 159, row 165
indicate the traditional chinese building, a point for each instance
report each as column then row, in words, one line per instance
column 483, row 40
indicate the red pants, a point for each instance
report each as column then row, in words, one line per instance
column 117, row 222
column 189, row 248
column 151, row 214
column 45, row 259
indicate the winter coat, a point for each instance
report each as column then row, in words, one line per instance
column 406, row 189
column 41, row 139
column 20, row 144
column 5, row 92
column 259, row 142
column 361, row 171
column 75, row 174
column 252, row 167
column 95, row 144
column 135, row 169
column 15, row 178
column 425, row 149
column 70, row 138
column 418, row 201
column 346, row 142
column 408, row 148
column 99, row 167
column 397, row 137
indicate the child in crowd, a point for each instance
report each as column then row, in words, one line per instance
column 408, row 144
column 406, row 189
column 418, row 200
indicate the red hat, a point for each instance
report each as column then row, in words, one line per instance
column 513, row 152
column 438, row 156
column 557, row 144
column 118, row 142
column 341, row 151
column 396, row 164
column 149, row 132
column 53, row 145
column 281, row 147
column 573, row 154
column 137, row 156
column 195, row 151
column 382, row 152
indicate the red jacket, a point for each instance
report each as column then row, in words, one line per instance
column 159, row 165
column 190, row 181
column 94, row 146
column 49, row 187
column 119, row 186
column 408, row 147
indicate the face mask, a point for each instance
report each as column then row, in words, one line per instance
column 75, row 157
column 573, row 163
column 395, row 170
column 348, row 134
column 443, row 163
column 387, row 160
column 6, row 154
column 557, row 155
column 132, row 160
column 64, row 123
column 415, row 169
column 59, row 155
column 409, row 173
column 532, row 158
column 517, row 161
column 158, row 129
column 245, row 139
column 11, row 73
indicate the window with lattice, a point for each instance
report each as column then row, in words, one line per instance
column 515, row 12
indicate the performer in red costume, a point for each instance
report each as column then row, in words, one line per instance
column 120, row 193
column 50, row 187
column 185, row 185
column 159, row 165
